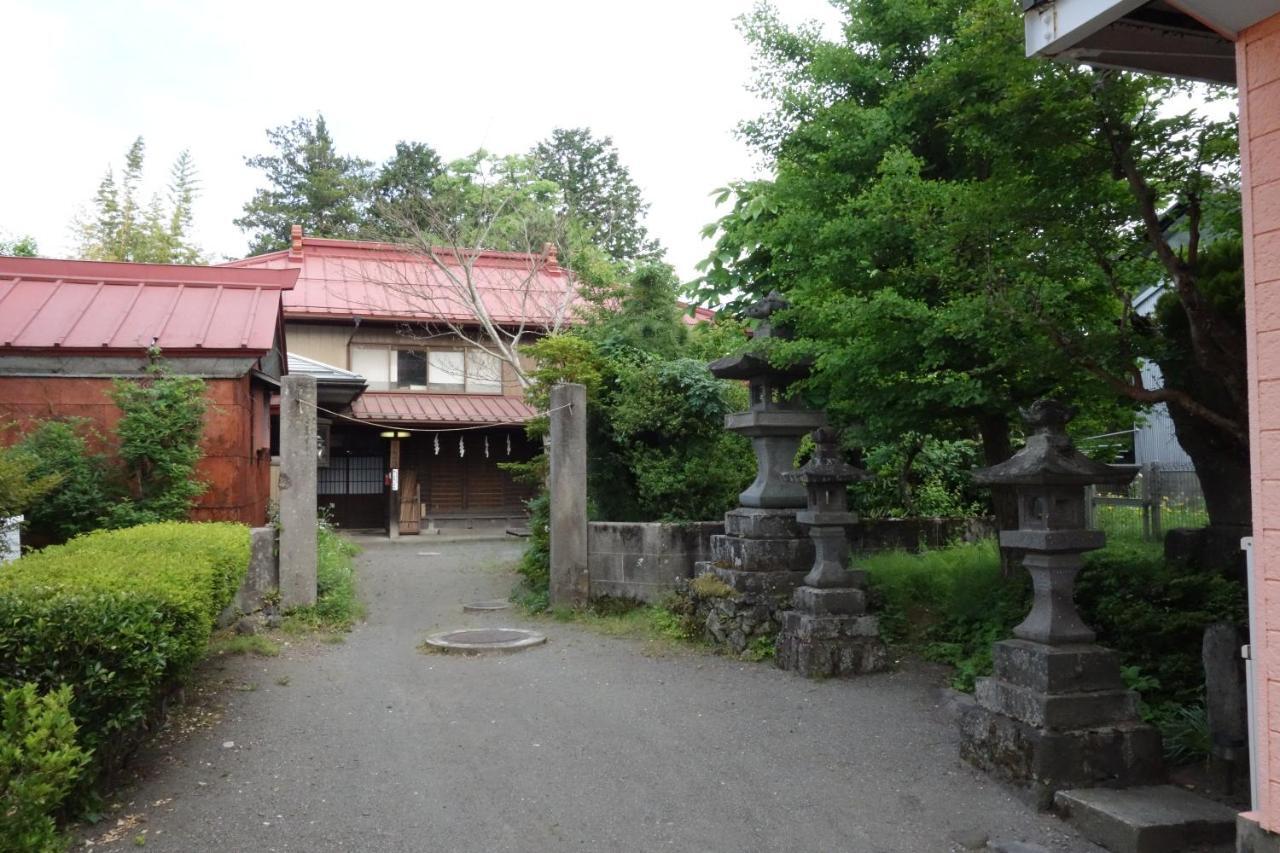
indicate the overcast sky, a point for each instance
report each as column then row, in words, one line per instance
column 666, row 79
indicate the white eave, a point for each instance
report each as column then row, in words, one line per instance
column 1182, row 38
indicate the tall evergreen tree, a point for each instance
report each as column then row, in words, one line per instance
column 597, row 190
column 121, row 227
column 403, row 189
column 309, row 184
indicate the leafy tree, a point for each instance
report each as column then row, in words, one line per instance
column 122, row 228
column 19, row 247
column 309, row 184
column 20, row 486
column 159, row 432
column 961, row 230
column 76, row 504
column 597, row 190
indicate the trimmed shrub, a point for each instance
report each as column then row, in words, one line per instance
column 40, row 763
column 121, row 615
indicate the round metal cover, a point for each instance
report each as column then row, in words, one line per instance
column 489, row 606
column 479, row 640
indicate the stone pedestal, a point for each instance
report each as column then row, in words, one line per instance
column 762, row 556
column 1059, row 717
column 829, row 633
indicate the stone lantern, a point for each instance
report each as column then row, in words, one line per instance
column 1056, row 713
column 763, row 554
column 828, row 631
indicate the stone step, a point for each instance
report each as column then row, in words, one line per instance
column 1154, row 819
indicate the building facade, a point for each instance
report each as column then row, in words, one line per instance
column 422, row 445
column 70, row 329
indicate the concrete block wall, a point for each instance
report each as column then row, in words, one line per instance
column 643, row 560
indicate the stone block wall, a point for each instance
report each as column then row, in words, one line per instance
column 643, row 560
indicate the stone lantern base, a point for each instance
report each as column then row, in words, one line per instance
column 829, row 634
column 762, row 556
column 1057, row 717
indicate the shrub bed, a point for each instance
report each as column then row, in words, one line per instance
column 120, row 616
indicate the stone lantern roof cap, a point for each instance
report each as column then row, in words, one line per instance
column 1049, row 457
column 826, row 466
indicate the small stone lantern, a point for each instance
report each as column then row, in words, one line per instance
column 1056, row 713
column 828, row 631
column 826, row 478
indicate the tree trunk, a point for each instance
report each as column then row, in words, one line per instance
column 1222, row 465
column 996, row 448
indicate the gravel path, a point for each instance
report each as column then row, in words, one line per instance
column 588, row 743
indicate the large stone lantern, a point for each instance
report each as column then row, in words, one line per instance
column 763, row 555
column 1056, row 713
column 828, row 632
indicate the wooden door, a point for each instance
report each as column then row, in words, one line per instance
column 410, row 502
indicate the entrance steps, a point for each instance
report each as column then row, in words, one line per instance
column 1153, row 819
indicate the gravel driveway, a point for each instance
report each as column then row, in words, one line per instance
column 588, row 743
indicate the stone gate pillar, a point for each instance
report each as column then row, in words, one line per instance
column 298, row 455
column 570, row 581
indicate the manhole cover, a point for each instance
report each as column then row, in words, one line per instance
column 476, row 640
column 486, row 606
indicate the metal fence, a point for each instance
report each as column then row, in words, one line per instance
column 1160, row 498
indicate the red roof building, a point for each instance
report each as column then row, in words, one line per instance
column 69, row 328
column 438, row 408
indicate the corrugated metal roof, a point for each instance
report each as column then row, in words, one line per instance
column 419, row 408
column 65, row 305
column 351, row 278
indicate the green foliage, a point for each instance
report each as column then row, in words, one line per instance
column 309, row 184
column 919, row 476
column 1154, row 614
column 76, row 504
column 597, row 190
column 122, row 229
column 40, row 764
column 535, row 563
column 162, row 419
column 647, row 316
column 20, row 247
column 337, row 606
column 667, row 425
column 120, row 614
column 22, row 482
column 951, row 234
column 951, row 604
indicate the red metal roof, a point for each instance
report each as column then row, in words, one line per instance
column 417, row 407
column 383, row 281
column 92, row 306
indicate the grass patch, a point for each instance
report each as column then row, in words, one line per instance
column 245, row 644
column 337, row 606
column 622, row 617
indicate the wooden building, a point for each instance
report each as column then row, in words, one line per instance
column 68, row 329
column 437, row 414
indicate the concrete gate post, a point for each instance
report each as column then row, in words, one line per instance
column 298, row 452
column 570, row 582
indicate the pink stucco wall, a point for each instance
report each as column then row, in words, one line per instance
column 1258, row 76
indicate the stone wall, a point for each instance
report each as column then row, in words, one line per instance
column 643, row 560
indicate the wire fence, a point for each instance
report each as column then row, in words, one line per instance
column 1160, row 498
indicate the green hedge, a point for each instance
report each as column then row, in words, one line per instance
column 118, row 615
